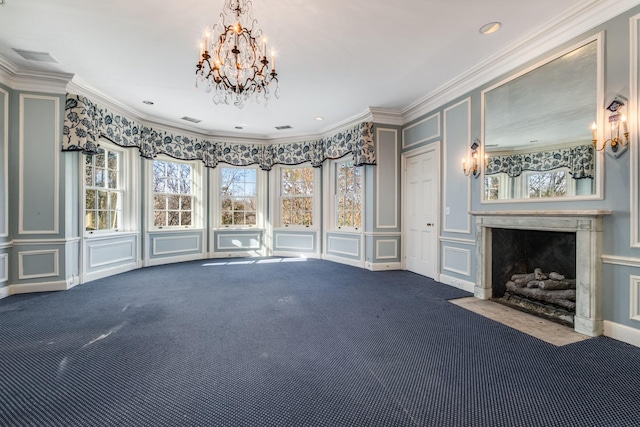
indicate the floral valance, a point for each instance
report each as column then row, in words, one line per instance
column 579, row 160
column 85, row 122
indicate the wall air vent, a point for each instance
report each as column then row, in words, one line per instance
column 35, row 56
column 283, row 127
column 191, row 119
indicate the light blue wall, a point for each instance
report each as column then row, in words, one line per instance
column 4, row 233
column 458, row 248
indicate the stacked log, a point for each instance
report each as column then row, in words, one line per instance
column 552, row 288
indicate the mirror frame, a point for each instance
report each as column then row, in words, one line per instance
column 598, row 38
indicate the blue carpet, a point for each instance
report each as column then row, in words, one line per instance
column 293, row 343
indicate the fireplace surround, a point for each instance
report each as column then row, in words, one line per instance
column 586, row 224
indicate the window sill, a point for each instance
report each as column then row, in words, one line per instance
column 108, row 234
column 237, row 228
column 345, row 231
column 175, row 230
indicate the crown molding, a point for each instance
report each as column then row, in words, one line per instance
column 386, row 117
column 33, row 81
column 577, row 19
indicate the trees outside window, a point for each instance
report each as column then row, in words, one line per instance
column 173, row 198
column 296, row 196
column 238, row 196
column 348, row 195
column 103, row 190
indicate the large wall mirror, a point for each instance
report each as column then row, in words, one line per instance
column 537, row 130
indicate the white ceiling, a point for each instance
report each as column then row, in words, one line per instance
column 336, row 59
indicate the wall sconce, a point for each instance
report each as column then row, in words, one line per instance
column 617, row 120
column 473, row 164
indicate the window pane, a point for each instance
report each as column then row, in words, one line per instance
column 90, row 220
column 99, row 160
column 185, row 218
column 185, row 172
column 173, row 169
column 185, row 186
column 159, row 169
column 159, row 202
column 308, row 219
column 114, row 200
column 99, row 177
column 238, row 218
column 115, row 220
column 112, row 160
column 227, row 218
column 103, row 200
column 159, row 218
column 160, row 185
column 173, row 218
column 88, row 176
column 251, row 218
column 173, row 186
column 227, row 204
column 185, row 203
column 113, row 179
column 90, row 196
column 103, row 220
column 173, row 202
column 308, row 203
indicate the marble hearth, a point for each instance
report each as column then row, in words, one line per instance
column 586, row 224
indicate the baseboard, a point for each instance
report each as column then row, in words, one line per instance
column 347, row 261
column 622, row 333
column 249, row 254
column 465, row 285
column 4, row 292
column 172, row 260
column 95, row 275
column 27, row 288
column 383, row 266
column 286, row 254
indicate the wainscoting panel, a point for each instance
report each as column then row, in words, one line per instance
column 4, row 268
column 107, row 253
column 294, row 241
column 635, row 298
column 386, row 170
column 421, row 131
column 167, row 245
column 344, row 245
column 237, row 240
column 38, row 264
column 4, row 163
column 456, row 260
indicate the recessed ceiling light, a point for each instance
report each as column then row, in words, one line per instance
column 147, row 102
column 319, row 118
column 491, row 27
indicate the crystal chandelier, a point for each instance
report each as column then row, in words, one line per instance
column 233, row 59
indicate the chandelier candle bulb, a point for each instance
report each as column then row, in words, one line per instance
column 624, row 124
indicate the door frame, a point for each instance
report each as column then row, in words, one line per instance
column 435, row 148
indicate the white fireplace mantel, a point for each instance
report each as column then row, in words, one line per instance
column 587, row 224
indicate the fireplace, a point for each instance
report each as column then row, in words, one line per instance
column 534, row 271
column 582, row 226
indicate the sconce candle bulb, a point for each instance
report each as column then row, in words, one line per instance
column 615, row 119
column 473, row 169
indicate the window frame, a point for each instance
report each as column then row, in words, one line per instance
column 197, row 180
column 332, row 196
column 276, row 190
column 215, row 198
column 127, row 188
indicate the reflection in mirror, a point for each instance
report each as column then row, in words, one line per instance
column 537, row 130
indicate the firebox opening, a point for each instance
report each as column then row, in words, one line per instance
column 535, row 271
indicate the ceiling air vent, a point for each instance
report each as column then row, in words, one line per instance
column 35, row 56
column 191, row 119
column 283, row 127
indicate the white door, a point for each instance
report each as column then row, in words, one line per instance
column 421, row 208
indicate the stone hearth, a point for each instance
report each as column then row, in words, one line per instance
column 587, row 226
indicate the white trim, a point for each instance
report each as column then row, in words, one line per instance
column 346, row 261
column 27, row 288
column 598, row 195
column 6, row 245
column 395, row 182
column 446, row 144
column 39, row 242
column 634, row 308
column 435, row 148
column 634, row 125
column 56, row 263
column 465, row 285
column 22, row 169
column 383, row 266
column 95, row 275
column 155, row 239
column 583, row 16
column 5, row 163
column 120, row 243
column 621, row 260
column 219, row 246
column 33, row 81
column 172, row 260
column 5, row 292
column 457, row 240
column 5, row 260
column 622, row 333
column 435, row 116
column 277, row 245
column 467, row 252
column 331, row 237
column 395, row 249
